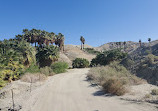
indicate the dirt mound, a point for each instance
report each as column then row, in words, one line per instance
column 64, row 58
column 74, row 51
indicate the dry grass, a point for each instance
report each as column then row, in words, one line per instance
column 113, row 78
column 28, row 77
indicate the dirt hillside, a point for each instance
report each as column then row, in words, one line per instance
column 73, row 51
column 129, row 47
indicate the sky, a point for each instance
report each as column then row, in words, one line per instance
column 98, row 21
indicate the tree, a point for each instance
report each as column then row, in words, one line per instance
column 149, row 39
column 52, row 37
column 140, row 42
column 117, row 44
column 16, row 56
column 35, row 36
column 82, row 42
column 47, row 55
column 59, row 41
column 124, row 44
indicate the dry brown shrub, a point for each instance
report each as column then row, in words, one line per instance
column 114, row 78
column 114, row 86
column 28, row 77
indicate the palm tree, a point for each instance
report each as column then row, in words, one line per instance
column 149, row 39
column 47, row 55
column 82, row 42
column 59, row 41
column 119, row 44
column 140, row 42
column 2, row 47
column 124, row 43
column 52, row 37
column 42, row 37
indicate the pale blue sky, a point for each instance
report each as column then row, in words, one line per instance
column 99, row 21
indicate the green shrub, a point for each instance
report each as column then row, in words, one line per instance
column 59, row 67
column 107, row 57
column 12, row 71
column 32, row 69
column 114, row 86
column 154, row 92
column 2, row 83
column 91, row 51
column 47, row 71
column 80, row 63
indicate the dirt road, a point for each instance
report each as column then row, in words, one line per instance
column 71, row 92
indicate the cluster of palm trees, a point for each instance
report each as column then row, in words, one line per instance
column 13, row 50
column 124, row 43
column 41, row 38
column 15, row 56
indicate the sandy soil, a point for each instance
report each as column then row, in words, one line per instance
column 71, row 91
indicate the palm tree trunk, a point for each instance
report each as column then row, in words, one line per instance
column 81, row 45
column 63, row 47
column 3, row 50
column 124, row 48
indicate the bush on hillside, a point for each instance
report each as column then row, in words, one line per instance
column 107, row 57
column 80, row 63
column 59, row 67
column 91, row 51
